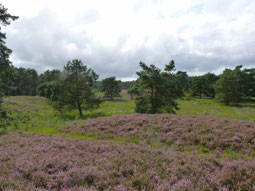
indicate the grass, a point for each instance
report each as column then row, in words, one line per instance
column 36, row 115
column 208, row 107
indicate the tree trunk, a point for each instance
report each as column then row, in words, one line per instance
column 80, row 110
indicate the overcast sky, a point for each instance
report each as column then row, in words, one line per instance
column 113, row 36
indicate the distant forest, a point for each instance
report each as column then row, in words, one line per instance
column 239, row 82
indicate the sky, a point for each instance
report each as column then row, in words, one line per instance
column 113, row 36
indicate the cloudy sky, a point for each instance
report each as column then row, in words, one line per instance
column 112, row 36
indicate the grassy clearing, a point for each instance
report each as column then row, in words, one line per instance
column 36, row 115
column 208, row 107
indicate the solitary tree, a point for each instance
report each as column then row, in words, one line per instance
column 77, row 87
column 111, row 88
column 153, row 90
column 228, row 89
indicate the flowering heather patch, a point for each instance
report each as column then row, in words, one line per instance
column 193, row 132
column 44, row 162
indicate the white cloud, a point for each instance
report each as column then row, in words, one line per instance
column 113, row 36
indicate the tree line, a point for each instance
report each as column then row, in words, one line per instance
column 154, row 91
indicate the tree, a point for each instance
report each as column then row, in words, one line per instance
column 153, row 90
column 50, row 84
column 203, row 85
column 111, row 88
column 5, row 64
column 51, row 90
column 180, row 82
column 209, row 82
column 77, row 87
column 249, row 81
column 228, row 87
column 197, row 86
column 49, row 75
column 25, row 82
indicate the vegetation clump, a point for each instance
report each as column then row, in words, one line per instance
column 111, row 88
column 77, row 87
column 154, row 90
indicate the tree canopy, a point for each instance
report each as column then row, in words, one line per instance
column 111, row 88
column 153, row 89
column 5, row 64
column 228, row 87
column 77, row 87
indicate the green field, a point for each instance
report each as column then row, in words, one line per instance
column 36, row 114
column 205, row 107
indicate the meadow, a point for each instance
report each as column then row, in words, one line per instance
column 206, row 146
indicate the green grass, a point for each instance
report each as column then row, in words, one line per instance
column 204, row 149
column 37, row 115
column 114, row 108
column 208, row 107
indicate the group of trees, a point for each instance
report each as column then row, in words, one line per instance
column 154, row 91
column 203, row 85
column 231, row 87
column 235, row 85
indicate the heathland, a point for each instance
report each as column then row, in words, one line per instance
column 205, row 146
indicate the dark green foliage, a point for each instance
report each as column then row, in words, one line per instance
column 49, row 75
column 178, row 83
column 50, row 84
column 229, row 87
column 5, row 19
column 25, row 82
column 111, row 88
column 5, row 64
column 126, row 85
column 197, row 86
column 204, row 85
column 154, row 90
column 248, row 82
column 77, row 87
column 210, row 80
column 50, row 90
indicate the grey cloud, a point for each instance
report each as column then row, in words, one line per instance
column 44, row 42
